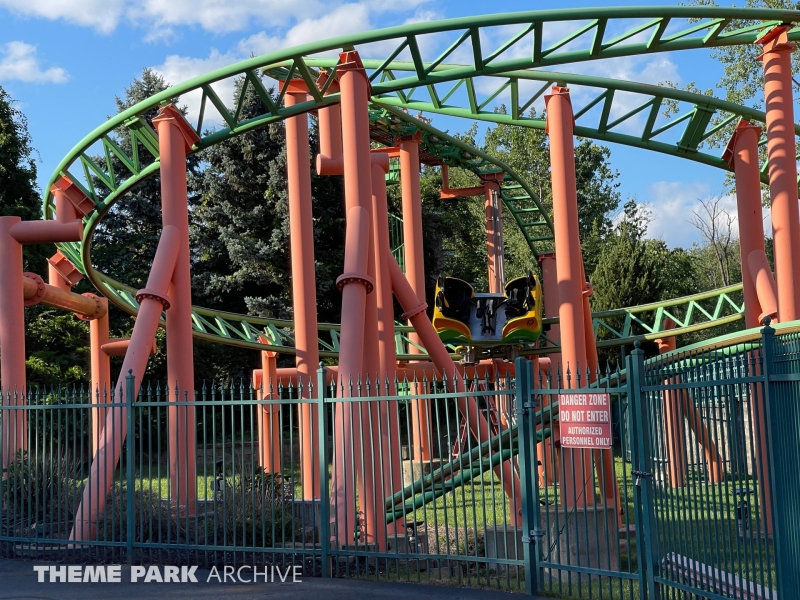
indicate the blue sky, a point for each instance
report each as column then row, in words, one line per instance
column 64, row 61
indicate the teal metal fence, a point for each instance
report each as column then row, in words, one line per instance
column 332, row 478
column 442, row 516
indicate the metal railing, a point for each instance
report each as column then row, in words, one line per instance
column 333, row 478
column 442, row 516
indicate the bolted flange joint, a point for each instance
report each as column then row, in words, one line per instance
column 346, row 278
column 148, row 294
column 99, row 310
column 40, row 289
column 421, row 307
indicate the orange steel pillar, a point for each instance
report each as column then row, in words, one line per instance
column 742, row 156
column 494, row 237
column 548, row 471
column 674, row 426
column 385, row 421
column 354, row 283
column 415, row 272
column 387, row 360
column 777, row 63
column 65, row 212
column 175, row 138
column 369, row 469
column 12, row 342
column 269, row 415
column 153, row 300
column 330, row 130
column 100, row 371
column 304, row 287
column 576, row 480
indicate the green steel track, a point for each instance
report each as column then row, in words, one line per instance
column 488, row 60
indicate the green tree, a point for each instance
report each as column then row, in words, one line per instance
column 19, row 195
column 633, row 270
column 55, row 341
column 241, row 229
column 527, row 151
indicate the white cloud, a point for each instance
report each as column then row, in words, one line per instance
column 161, row 19
column 344, row 20
column 672, row 204
column 102, row 15
column 177, row 69
column 18, row 62
column 221, row 15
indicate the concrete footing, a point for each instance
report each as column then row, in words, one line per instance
column 504, row 542
column 580, row 537
column 415, row 469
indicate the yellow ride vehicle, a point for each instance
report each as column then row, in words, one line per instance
column 463, row 317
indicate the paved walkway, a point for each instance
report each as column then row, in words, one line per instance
column 19, row 581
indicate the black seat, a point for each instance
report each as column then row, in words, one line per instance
column 454, row 299
column 520, row 296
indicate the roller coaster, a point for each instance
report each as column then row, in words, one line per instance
column 361, row 100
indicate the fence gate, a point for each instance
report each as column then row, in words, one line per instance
column 700, row 432
column 581, row 502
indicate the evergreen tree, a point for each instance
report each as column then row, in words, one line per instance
column 55, row 341
column 19, row 195
column 241, row 230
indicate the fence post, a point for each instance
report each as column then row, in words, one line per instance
column 130, row 513
column 641, row 454
column 531, row 534
column 783, row 452
column 324, row 503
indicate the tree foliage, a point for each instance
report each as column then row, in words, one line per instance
column 55, row 342
column 241, row 225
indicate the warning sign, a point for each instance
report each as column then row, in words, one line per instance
column 585, row 420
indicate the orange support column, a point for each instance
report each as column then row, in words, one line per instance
column 100, row 371
column 369, row 469
column 385, row 421
column 175, row 138
column 304, row 287
column 153, row 300
column 742, row 156
column 354, row 283
column 548, row 471
column 12, row 342
column 494, row 236
column 576, row 479
column 415, row 272
column 759, row 285
column 269, row 415
column 330, row 129
column 781, row 154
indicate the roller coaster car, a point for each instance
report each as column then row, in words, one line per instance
column 461, row 316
